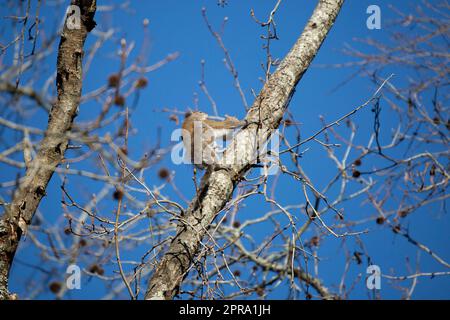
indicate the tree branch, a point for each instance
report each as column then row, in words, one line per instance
column 19, row 213
column 218, row 184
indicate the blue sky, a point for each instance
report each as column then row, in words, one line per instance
column 178, row 26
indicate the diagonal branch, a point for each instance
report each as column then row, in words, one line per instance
column 26, row 199
column 218, row 184
column 25, row 91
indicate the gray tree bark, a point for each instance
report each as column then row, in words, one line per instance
column 218, row 183
column 26, row 199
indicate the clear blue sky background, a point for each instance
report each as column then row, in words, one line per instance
column 177, row 26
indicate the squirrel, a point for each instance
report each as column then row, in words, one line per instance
column 200, row 135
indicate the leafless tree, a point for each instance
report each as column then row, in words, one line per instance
column 143, row 240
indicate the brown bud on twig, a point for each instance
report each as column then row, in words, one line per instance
column 55, row 287
column 119, row 100
column 163, row 173
column 380, row 220
column 113, row 80
column 141, row 83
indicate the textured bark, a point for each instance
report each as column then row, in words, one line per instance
column 26, row 199
column 218, row 183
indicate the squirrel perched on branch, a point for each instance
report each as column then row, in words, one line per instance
column 200, row 135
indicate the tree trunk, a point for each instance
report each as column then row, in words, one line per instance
column 218, row 183
column 26, row 199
